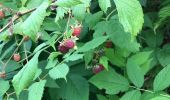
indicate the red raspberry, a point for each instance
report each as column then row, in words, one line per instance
column 98, row 68
column 2, row 14
column 69, row 43
column 17, row 57
column 77, row 31
column 62, row 48
column 108, row 44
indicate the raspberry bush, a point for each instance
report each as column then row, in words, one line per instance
column 84, row 50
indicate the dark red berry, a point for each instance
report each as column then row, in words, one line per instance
column 62, row 48
column 108, row 44
column 76, row 31
column 17, row 57
column 2, row 14
column 69, row 43
column 98, row 68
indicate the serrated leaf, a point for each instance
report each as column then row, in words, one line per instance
column 131, row 95
column 25, row 76
column 4, row 86
column 60, row 13
column 79, row 11
column 130, row 15
column 111, row 81
column 32, row 24
column 68, row 3
column 60, row 71
column 36, row 90
column 162, row 79
column 92, row 44
column 104, row 4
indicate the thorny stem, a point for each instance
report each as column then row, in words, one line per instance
column 16, row 17
column 108, row 16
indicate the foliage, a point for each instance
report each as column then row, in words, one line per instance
column 84, row 49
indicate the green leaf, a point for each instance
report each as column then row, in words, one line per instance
column 68, row 3
column 115, row 30
column 39, row 47
column 131, row 95
column 160, row 98
column 60, row 71
column 52, row 60
column 130, row 15
column 34, row 3
column 4, row 86
column 60, row 13
column 134, row 71
column 25, row 76
column 76, row 88
column 32, row 24
column 115, row 58
column 163, row 55
column 162, row 79
column 93, row 19
column 79, row 11
column 74, row 57
column 23, row 2
column 36, row 90
column 101, row 97
column 104, row 61
column 135, row 74
column 92, row 44
column 111, row 81
column 104, row 4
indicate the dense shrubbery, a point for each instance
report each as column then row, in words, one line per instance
column 84, row 49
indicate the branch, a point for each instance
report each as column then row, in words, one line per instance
column 16, row 17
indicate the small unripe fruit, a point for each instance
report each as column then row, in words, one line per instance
column 62, row 48
column 108, row 44
column 26, row 38
column 16, row 57
column 69, row 43
column 76, row 31
column 2, row 75
column 2, row 14
column 98, row 68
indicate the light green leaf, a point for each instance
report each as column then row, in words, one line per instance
column 160, row 98
column 92, row 44
column 25, row 76
column 79, row 11
column 162, row 79
column 32, row 24
column 74, row 57
column 104, row 4
column 68, row 3
column 60, row 13
column 36, row 90
column 4, row 86
column 23, row 2
column 111, row 81
column 39, row 47
column 60, row 71
column 104, row 61
column 130, row 15
column 131, row 95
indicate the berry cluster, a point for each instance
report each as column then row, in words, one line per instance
column 68, row 44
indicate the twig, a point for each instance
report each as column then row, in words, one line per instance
column 16, row 17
